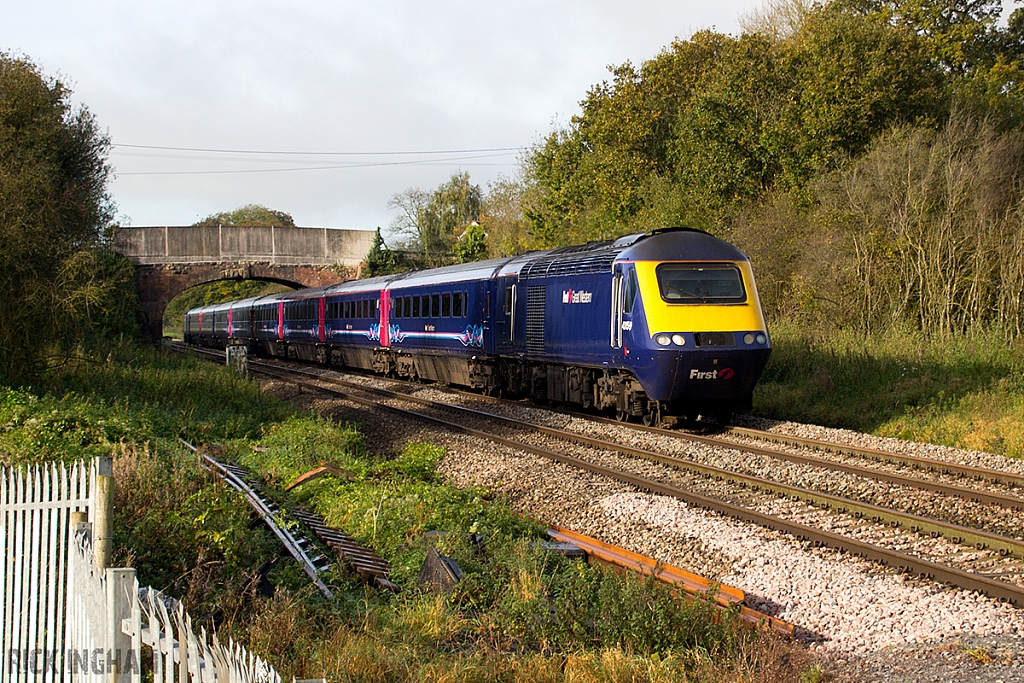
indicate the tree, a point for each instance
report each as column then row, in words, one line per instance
column 715, row 123
column 432, row 221
column 382, row 261
column 250, row 214
column 471, row 245
column 53, row 207
column 960, row 35
column 502, row 217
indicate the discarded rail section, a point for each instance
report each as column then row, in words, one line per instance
column 370, row 566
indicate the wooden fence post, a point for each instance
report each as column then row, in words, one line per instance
column 103, row 512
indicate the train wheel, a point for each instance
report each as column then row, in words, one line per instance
column 652, row 416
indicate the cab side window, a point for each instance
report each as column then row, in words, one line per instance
column 630, row 293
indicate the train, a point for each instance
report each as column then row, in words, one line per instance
column 647, row 326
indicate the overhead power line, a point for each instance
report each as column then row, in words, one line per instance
column 318, row 168
column 291, row 152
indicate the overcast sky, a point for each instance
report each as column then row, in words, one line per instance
column 360, row 84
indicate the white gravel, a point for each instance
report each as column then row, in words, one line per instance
column 845, row 603
column 882, row 443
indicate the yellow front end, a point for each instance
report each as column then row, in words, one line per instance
column 663, row 316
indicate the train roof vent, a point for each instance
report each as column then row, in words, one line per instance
column 576, row 249
column 564, row 265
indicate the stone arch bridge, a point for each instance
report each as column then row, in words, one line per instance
column 169, row 260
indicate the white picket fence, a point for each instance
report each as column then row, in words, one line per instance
column 66, row 620
column 35, row 517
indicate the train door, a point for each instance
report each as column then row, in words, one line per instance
column 615, row 325
column 384, row 320
column 505, row 314
column 630, row 294
column 321, row 315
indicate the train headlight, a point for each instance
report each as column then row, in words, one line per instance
column 678, row 340
column 662, row 339
column 761, row 339
column 748, row 338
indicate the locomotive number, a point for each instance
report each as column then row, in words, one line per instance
column 627, row 325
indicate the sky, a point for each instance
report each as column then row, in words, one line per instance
column 325, row 110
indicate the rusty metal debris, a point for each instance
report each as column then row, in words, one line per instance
column 324, row 468
column 440, row 572
column 723, row 596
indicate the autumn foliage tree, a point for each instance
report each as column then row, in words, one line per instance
column 59, row 282
column 865, row 153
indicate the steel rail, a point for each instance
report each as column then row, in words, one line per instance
column 966, row 493
column 924, row 568
column 916, row 523
column 971, row 494
column 263, row 510
column 981, row 473
column 724, row 599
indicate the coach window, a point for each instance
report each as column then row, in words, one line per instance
column 396, row 307
column 408, row 307
column 415, row 307
column 425, row 305
column 435, row 305
column 446, row 305
column 457, row 305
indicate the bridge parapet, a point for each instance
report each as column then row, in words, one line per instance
column 241, row 243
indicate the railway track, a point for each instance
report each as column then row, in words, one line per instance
column 374, row 569
column 971, row 573
column 747, row 497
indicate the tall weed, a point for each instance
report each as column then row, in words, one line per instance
column 965, row 391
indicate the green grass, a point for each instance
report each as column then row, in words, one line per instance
column 965, row 391
column 127, row 394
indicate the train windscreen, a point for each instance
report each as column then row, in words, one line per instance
column 700, row 283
